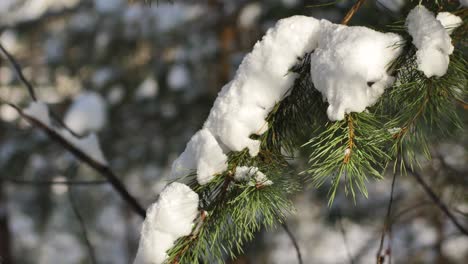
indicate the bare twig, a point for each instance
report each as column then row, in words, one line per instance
column 104, row 170
column 18, row 71
column 30, row 88
column 437, row 200
column 80, row 219
column 411, row 209
column 352, row 11
column 388, row 224
column 294, row 242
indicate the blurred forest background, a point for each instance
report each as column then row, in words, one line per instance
column 159, row 68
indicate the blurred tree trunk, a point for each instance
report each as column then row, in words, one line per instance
column 5, row 257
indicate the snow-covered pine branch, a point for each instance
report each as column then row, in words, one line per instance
column 348, row 65
column 236, row 160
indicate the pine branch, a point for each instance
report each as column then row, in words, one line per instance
column 233, row 212
column 423, row 109
column 331, row 155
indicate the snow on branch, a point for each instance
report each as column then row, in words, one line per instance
column 431, row 39
column 262, row 80
column 203, row 155
column 349, row 67
column 167, row 220
column 89, row 145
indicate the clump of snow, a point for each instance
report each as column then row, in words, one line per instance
column 59, row 189
column 202, row 154
column 167, row 220
column 432, row 41
column 147, row 89
column 39, row 111
column 87, row 113
column 9, row 40
column 349, row 67
column 116, row 94
column 8, row 113
column 261, row 81
column 89, row 145
column 449, row 21
column 244, row 173
column 178, row 77
column 249, row 15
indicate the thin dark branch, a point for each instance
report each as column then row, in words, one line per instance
column 388, row 223
column 102, row 169
column 80, row 219
column 352, row 11
column 410, row 209
column 30, row 88
column 437, row 200
column 19, row 72
column 343, row 234
column 294, row 242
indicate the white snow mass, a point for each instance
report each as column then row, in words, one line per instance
column 167, row 220
column 86, row 114
column 244, row 173
column 261, row 81
column 432, row 41
column 349, row 67
column 449, row 21
column 39, row 111
column 89, row 145
column 202, row 154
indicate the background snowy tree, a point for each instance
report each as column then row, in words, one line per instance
column 147, row 75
